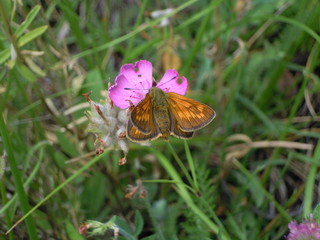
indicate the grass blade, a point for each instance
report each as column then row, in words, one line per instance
column 17, row 179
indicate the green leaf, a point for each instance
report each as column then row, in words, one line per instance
column 26, row 73
column 4, row 55
column 138, row 222
column 35, row 68
column 125, row 229
column 31, row 35
column 66, row 144
column 316, row 213
column 42, row 221
column 72, row 233
column 95, row 80
column 94, row 195
column 60, row 159
column 26, row 23
column 257, row 194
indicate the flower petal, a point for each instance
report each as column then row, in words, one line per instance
column 121, row 94
column 138, row 74
column 172, row 82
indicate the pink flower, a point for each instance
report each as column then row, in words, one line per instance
column 308, row 230
column 135, row 80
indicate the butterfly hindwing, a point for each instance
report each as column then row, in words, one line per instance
column 137, row 136
column 177, row 132
column 141, row 115
column 189, row 114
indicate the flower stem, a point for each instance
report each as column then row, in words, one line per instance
column 183, row 168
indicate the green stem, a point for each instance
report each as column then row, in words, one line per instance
column 184, row 194
column 17, row 180
column 171, row 182
column 191, row 165
column 181, row 165
column 310, row 183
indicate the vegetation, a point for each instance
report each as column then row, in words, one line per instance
column 245, row 176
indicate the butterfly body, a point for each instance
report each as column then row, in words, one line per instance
column 160, row 111
column 161, row 114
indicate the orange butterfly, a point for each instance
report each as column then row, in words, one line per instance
column 162, row 114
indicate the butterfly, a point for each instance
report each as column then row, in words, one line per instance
column 162, row 114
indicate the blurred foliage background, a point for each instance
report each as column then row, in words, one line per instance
column 245, row 176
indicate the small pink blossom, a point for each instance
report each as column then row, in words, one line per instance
column 135, row 80
column 308, row 230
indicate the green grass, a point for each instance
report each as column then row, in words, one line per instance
column 256, row 63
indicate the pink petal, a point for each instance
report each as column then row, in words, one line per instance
column 172, row 82
column 138, row 74
column 121, row 95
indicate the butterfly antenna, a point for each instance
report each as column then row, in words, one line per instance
column 170, row 80
column 133, row 93
column 136, row 89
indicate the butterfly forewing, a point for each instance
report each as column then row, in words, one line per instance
column 189, row 114
column 137, row 136
column 141, row 116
